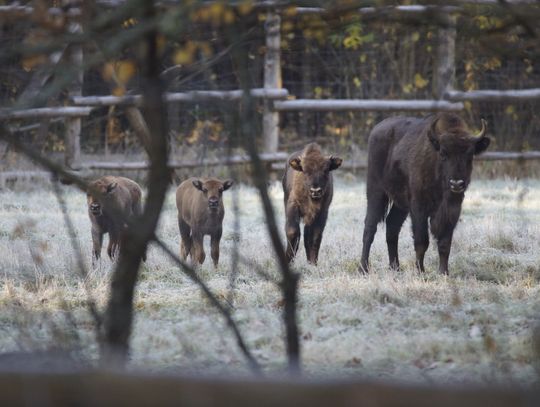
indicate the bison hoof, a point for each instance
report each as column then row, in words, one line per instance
column 363, row 269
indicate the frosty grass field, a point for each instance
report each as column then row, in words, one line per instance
column 474, row 326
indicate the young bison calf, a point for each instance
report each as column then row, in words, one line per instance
column 308, row 189
column 200, row 213
column 105, row 195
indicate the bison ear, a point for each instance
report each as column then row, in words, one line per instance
column 296, row 164
column 197, row 184
column 335, row 162
column 111, row 187
column 227, row 184
column 481, row 145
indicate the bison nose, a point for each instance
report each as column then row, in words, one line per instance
column 213, row 202
column 95, row 208
column 457, row 185
column 315, row 192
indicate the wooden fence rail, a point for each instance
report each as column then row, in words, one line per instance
column 366, row 105
column 489, row 95
column 192, row 97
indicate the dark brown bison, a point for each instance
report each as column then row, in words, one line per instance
column 105, row 196
column 420, row 166
column 200, row 213
column 308, row 189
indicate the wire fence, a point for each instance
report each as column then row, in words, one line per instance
column 339, row 59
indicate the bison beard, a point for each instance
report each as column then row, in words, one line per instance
column 421, row 167
column 308, row 190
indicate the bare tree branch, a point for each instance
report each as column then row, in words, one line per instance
column 289, row 282
column 81, row 268
column 119, row 313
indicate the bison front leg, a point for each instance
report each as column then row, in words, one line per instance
column 214, row 245
column 444, row 244
column 420, row 236
column 114, row 246
column 97, row 242
column 313, row 238
column 185, row 238
column 197, row 249
column 292, row 230
column 394, row 221
column 442, row 226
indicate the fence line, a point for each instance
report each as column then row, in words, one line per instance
column 272, row 94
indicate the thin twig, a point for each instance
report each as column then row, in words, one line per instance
column 81, row 267
column 190, row 272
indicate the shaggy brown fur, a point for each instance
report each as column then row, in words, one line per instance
column 308, row 190
column 423, row 167
column 200, row 213
column 113, row 193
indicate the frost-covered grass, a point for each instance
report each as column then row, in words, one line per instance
column 472, row 326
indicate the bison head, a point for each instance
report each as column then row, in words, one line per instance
column 212, row 190
column 316, row 170
column 456, row 148
column 98, row 191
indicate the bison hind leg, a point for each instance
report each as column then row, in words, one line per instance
column 377, row 205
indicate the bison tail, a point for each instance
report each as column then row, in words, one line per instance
column 387, row 207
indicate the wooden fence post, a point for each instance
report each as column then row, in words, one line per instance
column 73, row 124
column 272, row 80
column 444, row 78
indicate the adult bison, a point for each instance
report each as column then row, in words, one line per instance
column 200, row 213
column 308, row 189
column 111, row 201
column 420, row 166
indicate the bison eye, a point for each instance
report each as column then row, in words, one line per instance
column 220, row 190
column 205, row 190
column 444, row 155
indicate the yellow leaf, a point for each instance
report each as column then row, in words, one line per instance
column 183, row 56
column 245, row 8
column 125, row 71
column 32, row 61
column 290, row 11
column 287, row 26
column 119, row 91
column 206, row 49
column 509, row 110
column 357, row 82
column 108, row 71
column 420, row 82
column 416, row 36
column 229, row 17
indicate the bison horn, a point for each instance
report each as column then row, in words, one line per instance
column 482, row 131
